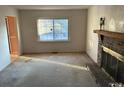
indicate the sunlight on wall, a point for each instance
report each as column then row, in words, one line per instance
column 112, row 25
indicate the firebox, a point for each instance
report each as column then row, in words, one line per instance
column 113, row 63
column 111, row 53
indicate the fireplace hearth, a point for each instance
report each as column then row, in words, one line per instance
column 111, row 53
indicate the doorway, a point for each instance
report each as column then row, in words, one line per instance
column 12, row 37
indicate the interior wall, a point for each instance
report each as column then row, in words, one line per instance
column 4, row 47
column 114, row 21
column 77, row 31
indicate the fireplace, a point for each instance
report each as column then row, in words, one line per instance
column 111, row 53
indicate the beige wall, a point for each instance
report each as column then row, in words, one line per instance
column 77, row 30
column 4, row 48
column 114, row 16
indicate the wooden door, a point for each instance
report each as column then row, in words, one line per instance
column 12, row 35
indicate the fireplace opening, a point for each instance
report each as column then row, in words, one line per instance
column 111, row 53
column 113, row 63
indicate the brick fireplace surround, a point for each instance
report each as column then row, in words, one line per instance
column 111, row 53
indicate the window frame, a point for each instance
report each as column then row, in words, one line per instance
column 39, row 40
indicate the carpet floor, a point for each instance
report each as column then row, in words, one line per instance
column 53, row 70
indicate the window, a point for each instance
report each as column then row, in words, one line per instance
column 52, row 29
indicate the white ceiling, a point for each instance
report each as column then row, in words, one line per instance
column 45, row 7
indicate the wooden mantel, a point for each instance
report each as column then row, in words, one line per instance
column 111, row 34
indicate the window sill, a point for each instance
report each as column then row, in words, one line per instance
column 55, row 41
